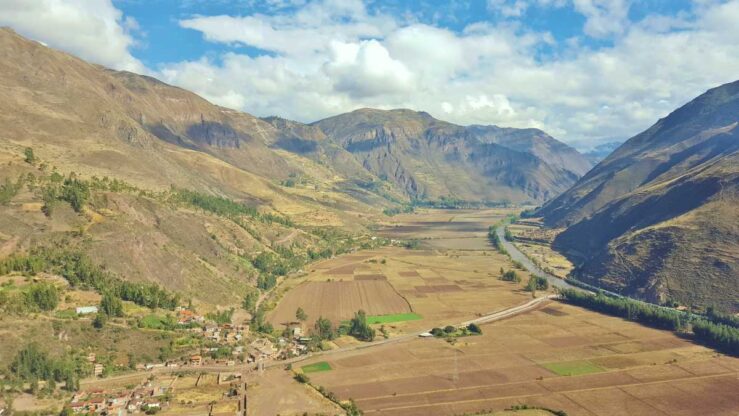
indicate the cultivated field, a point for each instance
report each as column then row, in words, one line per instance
column 338, row 300
column 559, row 357
column 443, row 285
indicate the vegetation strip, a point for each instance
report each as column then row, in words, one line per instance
column 722, row 337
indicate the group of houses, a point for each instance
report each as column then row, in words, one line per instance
column 142, row 398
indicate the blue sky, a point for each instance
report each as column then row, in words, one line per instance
column 585, row 71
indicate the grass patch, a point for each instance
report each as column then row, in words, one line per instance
column 316, row 367
column 572, row 368
column 396, row 317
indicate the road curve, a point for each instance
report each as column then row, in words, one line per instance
column 516, row 255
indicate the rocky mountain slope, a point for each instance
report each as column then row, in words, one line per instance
column 658, row 218
column 426, row 158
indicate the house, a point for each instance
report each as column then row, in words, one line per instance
column 98, row 370
column 86, row 310
column 196, row 360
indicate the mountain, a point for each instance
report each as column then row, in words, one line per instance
column 179, row 191
column 426, row 158
column 658, row 218
column 601, row 151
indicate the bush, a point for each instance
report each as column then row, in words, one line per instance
column 537, row 283
column 510, row 276
column 450, row 329
column 100, row 320
column 302, row 378
column 474, row 328
column 437, row 332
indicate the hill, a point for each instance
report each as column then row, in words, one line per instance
column 428, row 159
column 658, row 218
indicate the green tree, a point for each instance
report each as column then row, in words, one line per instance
column 359, row 328
column 250, row 301
column 100, row 320
column 44, row 295
column 324, row 329
column 474, row 328
column 76, row 192
column 301, row 315
column 111, row 305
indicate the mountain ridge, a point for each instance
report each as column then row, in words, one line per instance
column 657, row 218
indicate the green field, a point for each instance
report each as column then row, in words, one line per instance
column 316, row 367
column 396, row 317
column 572, row 368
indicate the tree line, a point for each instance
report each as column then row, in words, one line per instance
column 81, row 272
column 717, row 335
column 32, row 364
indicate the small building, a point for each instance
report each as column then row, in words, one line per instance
column 98, row 370
column 196, row 360
column 91, row 357
column 86, row 310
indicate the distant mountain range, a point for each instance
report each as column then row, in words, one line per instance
column 601, row 151
column 659, row 217
column 426, row 158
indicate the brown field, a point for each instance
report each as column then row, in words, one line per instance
column 643, row 371
column 445, row 285
column 273, row 392
column 338, row 300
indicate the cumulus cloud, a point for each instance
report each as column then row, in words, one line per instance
column 319, row 58
column 604, row 17
column 91, row 29
column 327, row 59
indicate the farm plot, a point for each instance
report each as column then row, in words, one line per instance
column 339, row 301
column 574, row 360
column 442, row 286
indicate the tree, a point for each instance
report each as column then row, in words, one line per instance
column 324, row 329
column 302, row 378
column 449, row 329
column 301, row 315
column 76, row 192
column 437, row 332
column 359, row 328
column 250, row 301
column 111, row 305
column 30, row 157
column 45, row 296
column 100, row 320
column 474, row 328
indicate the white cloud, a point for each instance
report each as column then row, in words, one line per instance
column 365, row 69
column 329, row 58
column 91, row 29
column 604, row 17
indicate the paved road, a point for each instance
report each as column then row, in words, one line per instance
column 528, row 264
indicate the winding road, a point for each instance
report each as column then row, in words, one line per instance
column 516, row 255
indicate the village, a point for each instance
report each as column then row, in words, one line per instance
column 228, row 351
